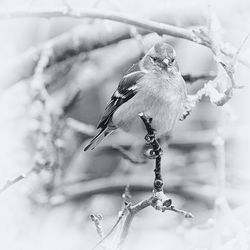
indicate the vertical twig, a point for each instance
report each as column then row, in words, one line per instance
column 126, row 196
column 158, row 200
column 155, row 153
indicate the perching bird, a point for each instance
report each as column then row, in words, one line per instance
column 153, row 86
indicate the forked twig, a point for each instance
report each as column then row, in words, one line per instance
column 158, row 199
column 120, row 216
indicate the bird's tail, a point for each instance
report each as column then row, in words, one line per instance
column 98, row 138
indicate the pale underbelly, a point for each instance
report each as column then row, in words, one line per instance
column 163, row 112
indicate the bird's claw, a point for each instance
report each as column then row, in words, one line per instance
column 149, row 138
column 153, row 154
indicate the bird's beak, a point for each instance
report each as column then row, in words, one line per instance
column 166, row 61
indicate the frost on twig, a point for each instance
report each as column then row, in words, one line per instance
column 220, row 89
column 96, row 218
column 47, row 126
column 81, row 127
column 157, row 200
column 10, row 183
column 65, row 45
column 125, row 196
column 38, row 93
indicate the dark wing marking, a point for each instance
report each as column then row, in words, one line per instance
column 127, row 88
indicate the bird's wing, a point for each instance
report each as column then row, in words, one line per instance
column 127, row 88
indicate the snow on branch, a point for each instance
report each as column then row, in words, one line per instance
column 89, row 37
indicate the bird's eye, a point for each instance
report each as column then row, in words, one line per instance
column 172, row 60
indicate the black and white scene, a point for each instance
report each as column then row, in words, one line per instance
column 124, row 125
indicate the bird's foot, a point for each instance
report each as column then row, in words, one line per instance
column 149, row 138
column 153, row 154
column 185, row 115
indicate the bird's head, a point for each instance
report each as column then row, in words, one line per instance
column 160, row 57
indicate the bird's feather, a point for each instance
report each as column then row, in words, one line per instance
column 98, row 138
column 127, row 88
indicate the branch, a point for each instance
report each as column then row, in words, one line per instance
column 155, row 153
column 81, row 127
column 160, row 28
column 155, row 201
column 212, row 89
column 78, row 40
column 87, row 38
column 193, row 78
column 83, row 79
column 158, row 200
column 12, row 182
column 69, row 44
column 120, row 216
column 96, row 218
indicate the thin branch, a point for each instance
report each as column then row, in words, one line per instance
column 96, row 218
column 120, row 216
column 67, row 45
column 193, row 78
column 158, row 199
column 129, row 218
column 82, row 39
column 160, row 28
column 12, row 182
column 81, row 127
column 126, row 197
column 193, row 35
column 212, row 88
column 40, row 93
column 155, row 153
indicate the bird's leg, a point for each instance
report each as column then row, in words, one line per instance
column 150, row 137
column 155, row 152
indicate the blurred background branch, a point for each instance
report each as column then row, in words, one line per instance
column 65, row 66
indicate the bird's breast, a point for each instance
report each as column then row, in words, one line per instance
column 156, row 98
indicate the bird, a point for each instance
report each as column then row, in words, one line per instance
column 155, row 87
